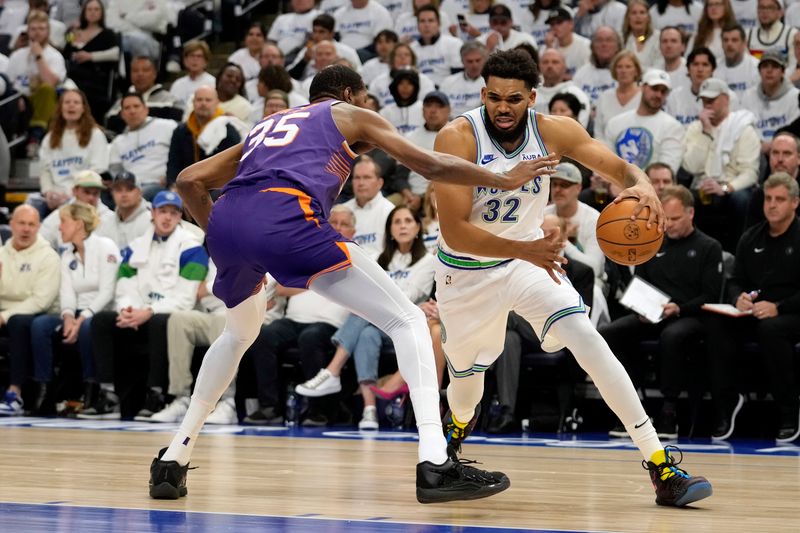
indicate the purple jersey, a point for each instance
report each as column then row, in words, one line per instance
column 300, row 147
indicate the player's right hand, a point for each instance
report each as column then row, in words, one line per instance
column 545, row 253
column 525, row 171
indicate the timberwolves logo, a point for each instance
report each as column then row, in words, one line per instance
column 635, row 145
column 631, row 231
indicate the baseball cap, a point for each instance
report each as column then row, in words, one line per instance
column 712, row 87
column 167, row 198
column 560, row 13
column 654, row 77
column 567, row 172
column 87, row 178
column 499, row 10
column 439, row 96
column 125, row 177
column 776, row 56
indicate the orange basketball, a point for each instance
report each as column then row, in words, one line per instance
column 626, row 241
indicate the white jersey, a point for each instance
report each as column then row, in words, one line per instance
column 515, row 215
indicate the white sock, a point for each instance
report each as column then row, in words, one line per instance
column 217, row 371
column 609, row 376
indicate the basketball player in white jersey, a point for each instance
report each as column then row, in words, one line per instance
column 484, row 270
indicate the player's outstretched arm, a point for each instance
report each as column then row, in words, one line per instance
column 195, row 181
column 373, row 129
column 455, row 209
column 568, row 138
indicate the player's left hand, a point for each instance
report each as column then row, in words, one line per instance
column 647, row 197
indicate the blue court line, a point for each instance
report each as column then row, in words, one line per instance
column 763, row 448
column 35, row 518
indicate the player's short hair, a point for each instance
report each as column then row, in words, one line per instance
column 659, row 165
column 680, row 193
column 514, row 65
column 779, row 179
column 332, row 81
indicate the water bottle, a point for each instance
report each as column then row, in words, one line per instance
column 292, row 413
column 396, row 412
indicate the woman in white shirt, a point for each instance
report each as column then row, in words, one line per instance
column 74, row 142
column 717, row 14
column 410, row 266
column 639, row 35
column 89, row 266
column 626, row 71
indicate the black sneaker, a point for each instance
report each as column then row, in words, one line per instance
column 105, row 407
column 456, row 435
column 790, row 426
column 167, row 478
column 726, row 418
column 456, row 480
column 667, row 425
column 264, row 416
column 503, row 423
column 680, row 488
column 154, row 402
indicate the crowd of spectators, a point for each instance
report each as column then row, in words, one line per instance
column 703, row 96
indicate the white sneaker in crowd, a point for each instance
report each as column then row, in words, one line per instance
column 224, row 413
column 369, row 419
column 322, row 384
column 174, row 412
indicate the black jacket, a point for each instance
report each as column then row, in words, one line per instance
column 689, row 270
column 182, row 151
column 770, row 265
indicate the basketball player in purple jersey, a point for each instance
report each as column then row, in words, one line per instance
column 272, row 217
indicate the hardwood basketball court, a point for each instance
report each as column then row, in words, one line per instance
column 319, row 484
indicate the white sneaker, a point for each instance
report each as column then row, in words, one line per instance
column 174, row 412
column 322, row 384
column 369, row 419
column 224, row 413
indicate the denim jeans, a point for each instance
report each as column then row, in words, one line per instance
column 42, row 330
column 363, row 341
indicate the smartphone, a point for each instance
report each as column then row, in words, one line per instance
column 462, row 21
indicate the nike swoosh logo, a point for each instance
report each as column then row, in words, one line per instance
column 758, row 250
column 661, row 254
column 640, row 425
column 488, row 159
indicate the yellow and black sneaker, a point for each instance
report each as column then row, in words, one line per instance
column 455, row 433
column 167, row 478
column 674, row 486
